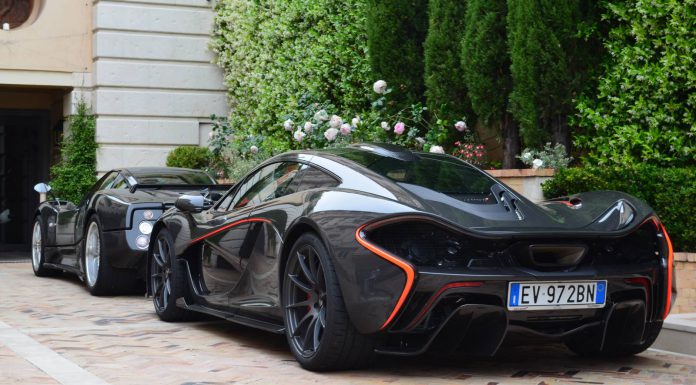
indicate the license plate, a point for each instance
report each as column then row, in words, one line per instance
column 556, row 295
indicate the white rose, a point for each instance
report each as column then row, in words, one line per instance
column 254, row 149
column 460, row 126
column 380, row 86
column 321, row 116
column 385, row 126
column 335, row 121
column 420, row 142
column 536, row 163
column 437, row 149
column 308, row 127
column 288, row 125
column 299, row 135
column 330, row 134
column 526, row 156
column 355, row 121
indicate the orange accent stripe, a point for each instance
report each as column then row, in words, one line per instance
column 225, row 227
column 670, row 262
column 405, row 266
column 437, row 295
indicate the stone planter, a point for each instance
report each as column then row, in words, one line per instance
column 525, row 181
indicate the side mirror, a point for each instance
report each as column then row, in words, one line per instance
column 42, row 188
column 190, row 203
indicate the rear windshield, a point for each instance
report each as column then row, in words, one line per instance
column 439, row 173
column 178, row 177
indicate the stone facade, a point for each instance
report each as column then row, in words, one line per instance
column 525, row 181
column 154, row 84
column 686, row 283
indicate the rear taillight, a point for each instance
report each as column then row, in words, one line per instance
column 670, row 273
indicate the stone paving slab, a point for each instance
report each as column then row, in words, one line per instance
column 119, row 340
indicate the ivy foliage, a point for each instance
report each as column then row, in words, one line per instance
column 644, row 108
column 280, row 54
column 396, row 31
column 666, row 190
column 76, row 172
column 445, row 86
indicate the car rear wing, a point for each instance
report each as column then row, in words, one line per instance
column 185, row 187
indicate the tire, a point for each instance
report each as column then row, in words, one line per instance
column 317, row 327
column 100, row 278
column 167, row 280
column 38, row 250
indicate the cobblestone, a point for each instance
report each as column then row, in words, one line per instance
column 119, row 340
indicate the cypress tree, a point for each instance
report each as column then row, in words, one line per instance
column 396, row 31
column 445, row 88
column 550, row 63
column 486, row 68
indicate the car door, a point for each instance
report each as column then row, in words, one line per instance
column 232, row 235
column 260, row 264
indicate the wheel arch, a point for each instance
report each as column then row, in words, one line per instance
column 295, row 231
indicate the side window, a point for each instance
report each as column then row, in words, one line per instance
column 107, row 180
column 120, row 183
column 310, row 178
column 272, row 181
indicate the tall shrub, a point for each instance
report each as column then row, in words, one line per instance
column 279, row 55
column 445, row 88
column 486, row 69
column 553, row 53
column 644, row 109
column 396, row 30
column 76, row 171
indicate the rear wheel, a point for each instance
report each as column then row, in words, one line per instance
column 319, row 332
column 38, row 250
column 167, row 281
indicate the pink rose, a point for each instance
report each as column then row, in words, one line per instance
column 330, row 134
column 345, row 129
column 460, row 126
column 399, row 128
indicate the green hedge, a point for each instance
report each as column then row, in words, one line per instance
column 280, row 56
column 189, row 157
column 76, row 172
column 670, row 191
column 396, row 31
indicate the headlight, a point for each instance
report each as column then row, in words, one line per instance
column 145, row 227
column 148, row 214
column 142, row 241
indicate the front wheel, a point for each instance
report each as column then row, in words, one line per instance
column 166, row 280
column 318, row 330
column 38, row 250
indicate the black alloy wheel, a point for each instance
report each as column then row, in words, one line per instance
column 318, row 330
column 166, row 280
column 306, row 300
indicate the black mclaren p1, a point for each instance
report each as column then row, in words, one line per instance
column 377, row 249
column 104, row 238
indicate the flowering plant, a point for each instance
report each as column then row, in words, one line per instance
column 550, row 157
column 473, row 153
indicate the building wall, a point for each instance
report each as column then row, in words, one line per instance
column 154, row 84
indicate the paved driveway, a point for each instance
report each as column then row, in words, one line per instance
column 52, row 331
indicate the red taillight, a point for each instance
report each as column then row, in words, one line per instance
column 670, row 272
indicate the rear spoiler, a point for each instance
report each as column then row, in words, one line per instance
column 187, row 187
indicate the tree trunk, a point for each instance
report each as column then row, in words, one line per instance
column 560, row 131
column 511, row 142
